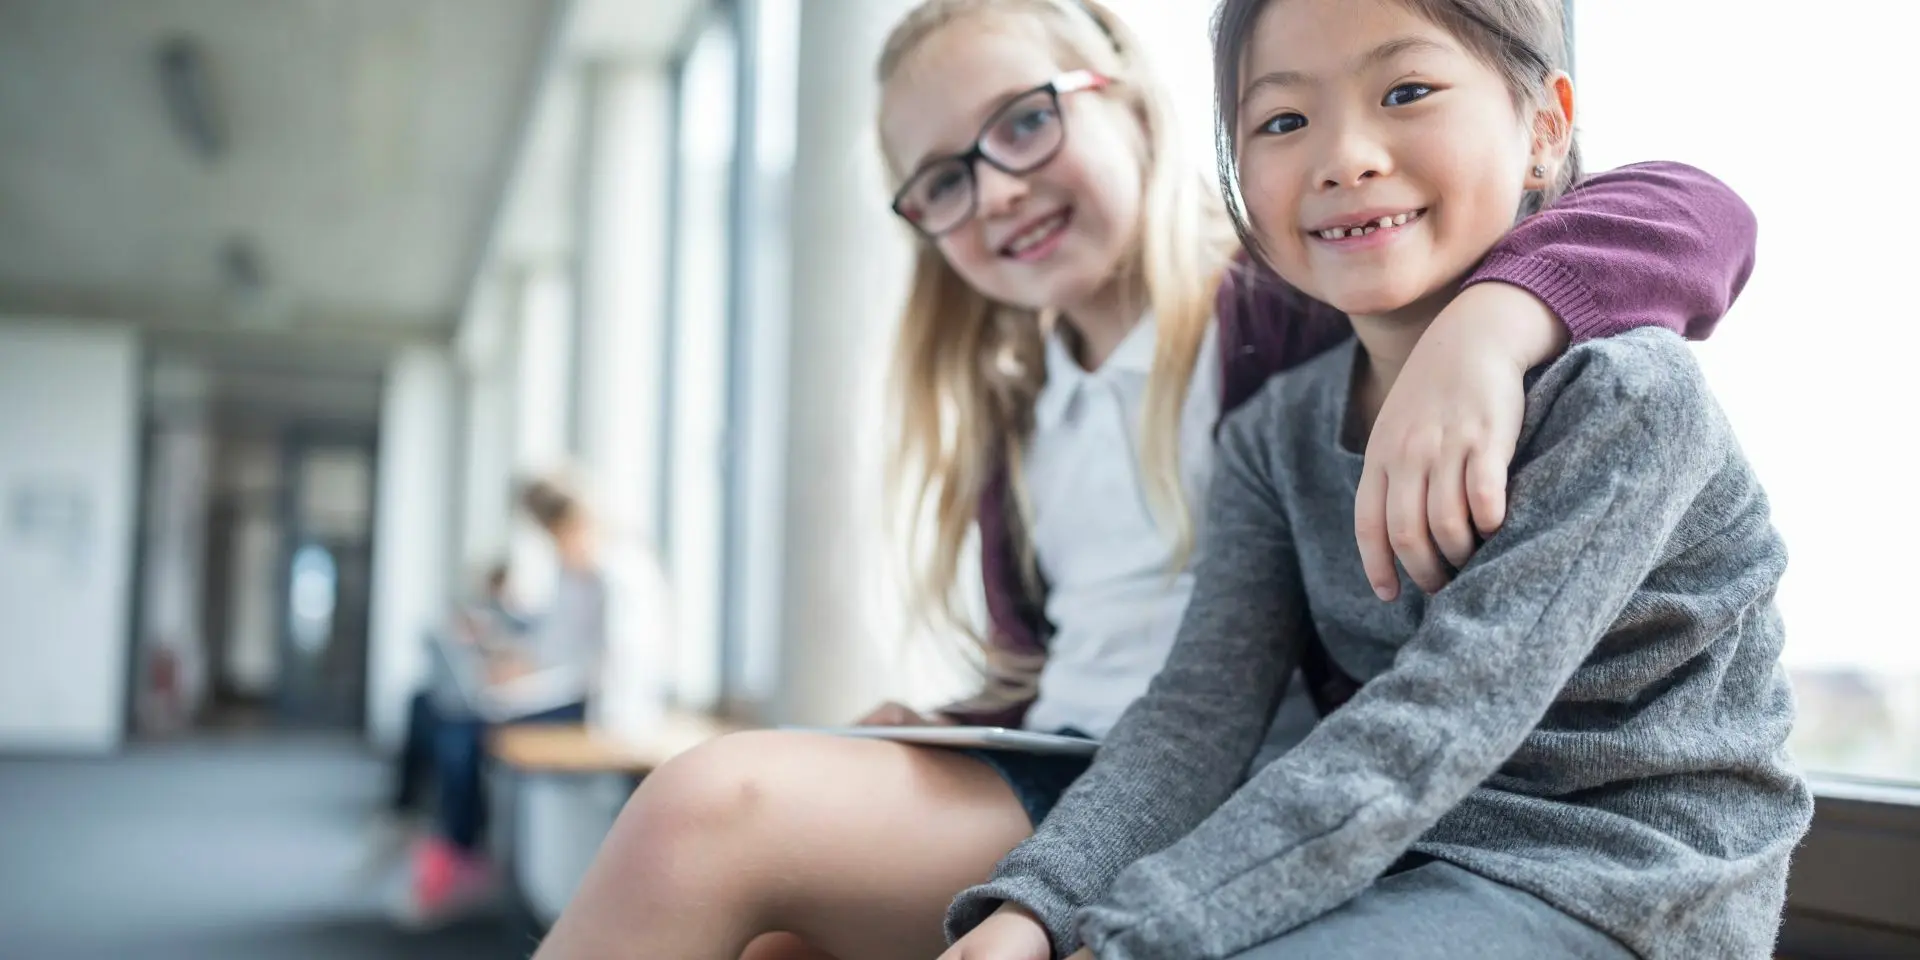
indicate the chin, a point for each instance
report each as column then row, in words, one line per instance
column 1369, row 301
column 1377, row 287
column 1069, row 289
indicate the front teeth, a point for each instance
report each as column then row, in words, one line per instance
column 1344, row 233
column 1025, row 241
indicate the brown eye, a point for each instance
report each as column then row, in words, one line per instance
column 1284, row 123
column 1406, row 93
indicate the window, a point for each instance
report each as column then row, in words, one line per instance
column 1813, row 364
column 694, row 527
column 1177, row 39
column 767, row 84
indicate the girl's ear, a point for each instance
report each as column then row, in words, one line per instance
column 1552, row 130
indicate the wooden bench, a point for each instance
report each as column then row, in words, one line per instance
column 564, row 770
column 562, row 749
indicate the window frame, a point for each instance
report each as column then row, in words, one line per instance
column 736, row 591
column 713, row 14
column 1851, row 892
column 759, row 323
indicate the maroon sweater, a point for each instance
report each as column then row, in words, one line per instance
column 1654, row 244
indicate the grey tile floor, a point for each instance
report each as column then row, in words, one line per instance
column 242, row 847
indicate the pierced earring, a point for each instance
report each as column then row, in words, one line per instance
column 1540, row 170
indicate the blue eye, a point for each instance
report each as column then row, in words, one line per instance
column 942, row 185
column 1284, row 123
column 1032, row 121
column 1406, row 93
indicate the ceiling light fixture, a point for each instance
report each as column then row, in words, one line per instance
column 187, row 86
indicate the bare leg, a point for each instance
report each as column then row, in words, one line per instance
column 783, row 946
column 854, row 846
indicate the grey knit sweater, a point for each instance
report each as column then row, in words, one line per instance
column 1593, row 711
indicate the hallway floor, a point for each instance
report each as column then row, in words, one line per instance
column 241, row 847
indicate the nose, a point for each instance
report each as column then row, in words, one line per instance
column 1000, row 193
column 1353, row 155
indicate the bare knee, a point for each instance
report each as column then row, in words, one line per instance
column 719, row 788
column 705, row 812
column 821, row 836
column 783, row 946
column 684, row 859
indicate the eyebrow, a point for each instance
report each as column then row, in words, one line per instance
column 1378, row 55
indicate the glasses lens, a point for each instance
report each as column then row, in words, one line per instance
column 1026, row 132
column 939, row 197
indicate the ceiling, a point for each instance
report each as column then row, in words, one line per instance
column 370, row 154
column 242, row 387
column 366, row 144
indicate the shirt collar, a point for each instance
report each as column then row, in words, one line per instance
column 1065, row 376
column 1135, row 353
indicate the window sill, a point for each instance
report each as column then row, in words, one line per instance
column 1852, row 892
column 1863, row 790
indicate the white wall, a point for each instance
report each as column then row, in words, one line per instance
column 69, row 421
column 413, row 550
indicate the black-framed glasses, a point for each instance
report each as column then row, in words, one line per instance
column 1018, row 139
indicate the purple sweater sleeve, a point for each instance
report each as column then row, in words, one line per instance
column 1652, row 244
column 1648, row 245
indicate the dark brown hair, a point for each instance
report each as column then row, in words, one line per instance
column 497, row 574
column 1525, row 40
column 550, row 502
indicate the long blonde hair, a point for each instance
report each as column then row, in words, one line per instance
column 967, row 370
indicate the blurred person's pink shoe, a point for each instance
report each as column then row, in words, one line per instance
column 444, row 884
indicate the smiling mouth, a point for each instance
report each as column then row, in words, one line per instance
column 1037, row 235
column 1367, row 227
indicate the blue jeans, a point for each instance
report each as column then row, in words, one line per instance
column 416, row 753
column 1038, row 780
column 460, row 753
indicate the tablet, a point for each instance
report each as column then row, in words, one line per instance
column 979, row 738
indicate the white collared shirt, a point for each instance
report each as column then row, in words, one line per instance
column 1113, row 601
